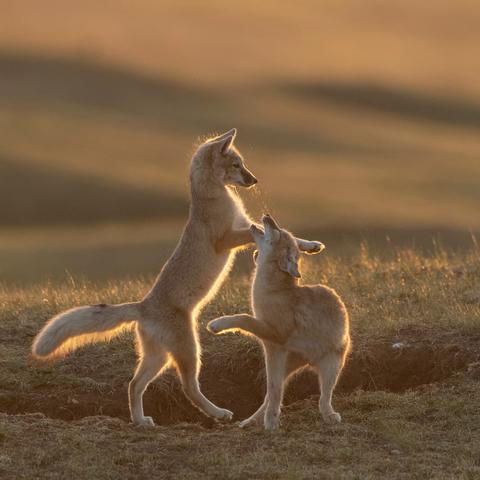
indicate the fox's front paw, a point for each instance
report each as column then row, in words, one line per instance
column 215, row 326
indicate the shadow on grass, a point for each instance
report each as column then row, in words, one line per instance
column 32, row 195
column 409, row 104
column 62, row 84
column 57, row 81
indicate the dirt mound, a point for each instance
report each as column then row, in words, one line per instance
column 392, row 364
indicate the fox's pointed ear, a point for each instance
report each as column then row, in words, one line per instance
column 310, row 247
column 224, row 141
column 230, row 133
column 290, row 266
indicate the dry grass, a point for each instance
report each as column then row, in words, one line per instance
column 430, row 304
column 433, row 433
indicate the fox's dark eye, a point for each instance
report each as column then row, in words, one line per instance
column 236, row 165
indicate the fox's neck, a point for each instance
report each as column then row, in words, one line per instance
column 269, row 278
column 206, row 187
column 214, row 202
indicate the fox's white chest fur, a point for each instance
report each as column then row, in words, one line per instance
column 240, row 219
column 234, row 217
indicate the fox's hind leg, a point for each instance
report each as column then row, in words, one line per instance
column 328, row 369
column 294, row 363
column 186, row 356
column 153, row 359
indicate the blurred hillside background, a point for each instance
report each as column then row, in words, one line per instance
column 360, row 118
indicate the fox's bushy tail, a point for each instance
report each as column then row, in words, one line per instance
column 82, row 325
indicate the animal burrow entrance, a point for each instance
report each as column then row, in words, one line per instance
column 393, row 364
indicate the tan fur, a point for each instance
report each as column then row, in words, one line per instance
column 300, row 325
column 165, row 319
column 80, row 326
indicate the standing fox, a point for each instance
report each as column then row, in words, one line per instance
column 165, row 319
column 300, row 325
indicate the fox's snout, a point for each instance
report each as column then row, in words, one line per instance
column 268, row 220
column 248, row 178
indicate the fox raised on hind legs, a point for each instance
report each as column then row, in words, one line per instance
column 165, row 320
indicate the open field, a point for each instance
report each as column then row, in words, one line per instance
column 410, row 411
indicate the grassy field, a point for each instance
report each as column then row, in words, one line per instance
column 409, row 394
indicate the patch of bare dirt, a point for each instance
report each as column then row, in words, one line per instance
column 409, row 360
